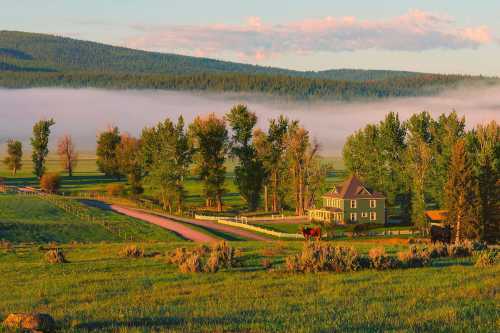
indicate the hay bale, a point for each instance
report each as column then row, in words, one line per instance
column 32, row 322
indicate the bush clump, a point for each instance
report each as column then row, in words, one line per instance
column 318, row 256
column 55, row 256
column 115, row 189
column 380, row 260
column 50, row 182
column 205, row 259
column 415, row 257
column 132, row 251
column 6, row 245
column 460, row 250
column 437, row 250
column 486, row 258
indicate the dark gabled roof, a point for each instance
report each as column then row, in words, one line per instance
column 352, row 188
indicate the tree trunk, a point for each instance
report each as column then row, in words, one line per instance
column 275, row 191
column 458, row 227
column 266, row 203
column 219, row 202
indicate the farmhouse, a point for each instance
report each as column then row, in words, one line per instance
column 350, row 202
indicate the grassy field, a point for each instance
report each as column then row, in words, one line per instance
column 30, row 219
column 98, row 291
column 87, row 178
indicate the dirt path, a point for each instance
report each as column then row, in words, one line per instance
column 179, row 228
column 224, row 228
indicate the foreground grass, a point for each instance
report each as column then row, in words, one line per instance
column 100, row 292
column 31, row 219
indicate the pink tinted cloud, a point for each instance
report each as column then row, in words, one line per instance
column 414, row 31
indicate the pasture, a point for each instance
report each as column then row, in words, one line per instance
column 98, row 291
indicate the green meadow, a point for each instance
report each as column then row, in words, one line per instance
column 98, row 291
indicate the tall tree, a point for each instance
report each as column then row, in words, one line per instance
column 67, row 153
column 487, row 160
column 418, row 163
column 129, row 158
column 300, row 153
column 14, row 157
column 107, row 143
column 167, row 154
column 40, row 144
column 446, row 131
column 461, row 195
column 211, row 144
column 249, row 172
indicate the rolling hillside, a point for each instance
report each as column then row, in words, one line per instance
column 39, row 60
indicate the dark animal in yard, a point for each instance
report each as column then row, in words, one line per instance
column 440, row 233
column 309, row 232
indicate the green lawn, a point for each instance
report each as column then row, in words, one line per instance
column 31, row 219
column 100, row 292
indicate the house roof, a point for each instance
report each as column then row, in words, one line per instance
column 436, row 215
column 352, row 188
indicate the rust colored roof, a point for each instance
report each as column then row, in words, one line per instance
column 436, row 215
column 352, row 188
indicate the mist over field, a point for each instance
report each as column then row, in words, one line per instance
column 85, row 112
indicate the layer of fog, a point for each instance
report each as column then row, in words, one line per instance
column 85, row 112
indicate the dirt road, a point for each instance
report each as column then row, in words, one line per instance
column 177, row 227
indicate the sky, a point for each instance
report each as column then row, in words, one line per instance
column 445, row 36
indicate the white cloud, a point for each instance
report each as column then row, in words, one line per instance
column 414, row 31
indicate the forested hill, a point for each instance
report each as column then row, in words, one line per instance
column 38, row 60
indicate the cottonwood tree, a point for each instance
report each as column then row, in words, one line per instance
column 211, row 144
column 249, row 172
column 107, row 144
column 167, row 154
column 129, row 158
column 461, row 193
column 39, row 145
column 271, row 150
column 67, row 153
column 13, row 160
column 418, row 164
column 487, row 163
column 445, row 132
column 300, row 153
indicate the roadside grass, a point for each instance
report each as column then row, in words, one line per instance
column 98, row 291
column 31, row 219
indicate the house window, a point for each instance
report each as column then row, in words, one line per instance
column 364, row 214
column 353, row 203
column 373, row 203
column 373, row 216
column 354, row 217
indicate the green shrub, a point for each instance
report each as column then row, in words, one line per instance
column 486, row 258
column 437, row 250
column 132, row 251
column 55, row 256
column 459, row 250
column 115, row 189
column 50, row 182
column 380, row 260
column 191, row 264
column 415, row 257
column 221, row 256
column 203, row 258
column 318, row 256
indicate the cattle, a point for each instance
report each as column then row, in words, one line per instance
column 440, row 233
column 309, row 232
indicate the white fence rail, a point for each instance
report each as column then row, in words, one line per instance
column 259, row 229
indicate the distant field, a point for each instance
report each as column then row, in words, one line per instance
column 30, row 219
column 100, row 292
column 87, row 178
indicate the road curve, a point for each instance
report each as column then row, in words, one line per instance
column 179, row 228
column 222, row 228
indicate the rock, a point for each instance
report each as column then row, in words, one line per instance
column 31, row 322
